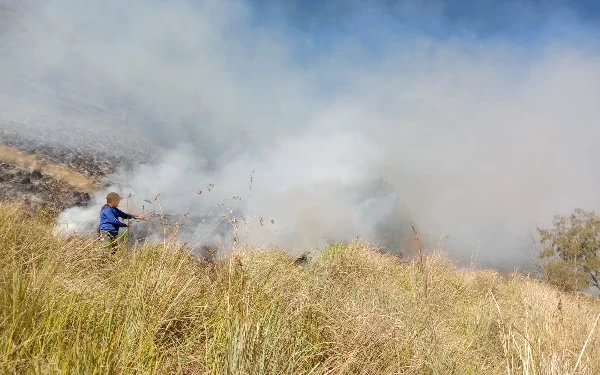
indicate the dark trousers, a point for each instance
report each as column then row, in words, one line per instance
column 110, row 239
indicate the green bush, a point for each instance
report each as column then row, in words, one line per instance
column 571, row 250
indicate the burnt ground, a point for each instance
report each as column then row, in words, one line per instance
column 83, row 162
column 38, row 191
column 41, row 191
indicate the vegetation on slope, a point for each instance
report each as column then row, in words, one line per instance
column 68, row 307
column 571, row 251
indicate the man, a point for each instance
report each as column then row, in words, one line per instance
column 109, row 220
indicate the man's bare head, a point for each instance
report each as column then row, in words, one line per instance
column 113, row 199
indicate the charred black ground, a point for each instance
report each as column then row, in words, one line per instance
column 41, row 191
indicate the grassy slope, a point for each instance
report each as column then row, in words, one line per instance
column 65, row 307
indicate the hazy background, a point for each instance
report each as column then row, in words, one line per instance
column 472, row 119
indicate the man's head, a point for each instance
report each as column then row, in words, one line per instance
column 113, row 199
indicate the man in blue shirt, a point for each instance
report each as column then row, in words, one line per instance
column 109, row 220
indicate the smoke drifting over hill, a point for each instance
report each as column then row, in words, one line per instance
column 480, row 139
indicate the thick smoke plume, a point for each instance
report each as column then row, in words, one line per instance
column 350, row 134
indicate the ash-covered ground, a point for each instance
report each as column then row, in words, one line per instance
column 37, row 190
column 70, row 141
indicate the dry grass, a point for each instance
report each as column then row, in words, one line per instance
column 67, row 307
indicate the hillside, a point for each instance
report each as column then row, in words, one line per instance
column 55, row 160
column 68, row 307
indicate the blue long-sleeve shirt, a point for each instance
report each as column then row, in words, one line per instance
column 109, row 219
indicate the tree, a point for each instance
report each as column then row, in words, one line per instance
column 571, row 250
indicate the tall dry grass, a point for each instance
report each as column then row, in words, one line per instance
column 67, row 307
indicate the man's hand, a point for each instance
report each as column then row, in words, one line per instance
column 128, row 224
column 141, row 217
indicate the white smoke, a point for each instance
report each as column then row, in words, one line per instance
column 478, row 139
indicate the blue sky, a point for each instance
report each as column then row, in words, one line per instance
column 379, row 20
column 314, row 30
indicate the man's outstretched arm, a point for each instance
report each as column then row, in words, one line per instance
column 128, row 216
